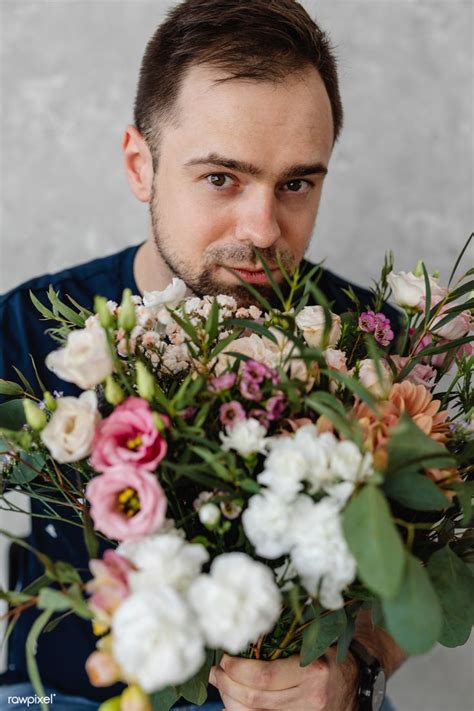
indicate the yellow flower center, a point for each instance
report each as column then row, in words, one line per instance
column 135, row 442
column 128, row 502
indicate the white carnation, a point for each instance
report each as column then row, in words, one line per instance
column 70, row 431
column 236, row 603
column 320, row 553
column 245, row 437
column 266, row 522
column 163, row 559
column 85, row 360
column 156, row 640
column 171, row 296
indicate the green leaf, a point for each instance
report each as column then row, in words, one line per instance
column 66, row 573
column 212, row 323
column 13, row 597
column 251, row 326
column 195, row 690
column 454, row 584
column 414, row 616
column 25, row 382
column 345, row 639
column 221, row 471
column 31, row 644
column 64, row 310
column 55, row 600
column 8, row 387
column 163, row 700
column 44, row 311
column 12, row 415
column 326, row 404
column 461, row 254
column 410, row 449
column 321, row 633
column 90, row 537
column 415, row 491
column 27, row 467
column 464, row 493
column 374, row 541
column 250, row 485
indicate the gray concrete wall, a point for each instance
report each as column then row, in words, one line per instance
column 401, row 177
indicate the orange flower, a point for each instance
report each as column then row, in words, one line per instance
column 419, row 404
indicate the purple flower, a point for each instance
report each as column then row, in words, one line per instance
column 384, row 336
column 367, row 321
column 250, row 389
column 253, row 370
column 222, row 382
column 230, row 413
column 276, row 406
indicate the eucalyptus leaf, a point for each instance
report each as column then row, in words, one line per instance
column 415, row 491
column 409, row 448
column 414, row 617
column 12, row 415
column 7, row 387
column 454, row 584
column 374, row 541
column 55, row 600
column 320, row 634
column 163, row 700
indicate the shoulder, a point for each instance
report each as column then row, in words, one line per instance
column 81, row 279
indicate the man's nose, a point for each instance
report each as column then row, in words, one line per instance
column 257, row 220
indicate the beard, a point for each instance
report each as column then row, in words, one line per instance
column 206, row 282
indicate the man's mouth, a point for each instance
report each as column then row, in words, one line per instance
column 252, row 276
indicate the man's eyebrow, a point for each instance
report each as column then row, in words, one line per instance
column 300, row 169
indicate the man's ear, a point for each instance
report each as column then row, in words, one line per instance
column 138, row 163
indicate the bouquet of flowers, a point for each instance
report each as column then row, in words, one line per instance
column 256, row 474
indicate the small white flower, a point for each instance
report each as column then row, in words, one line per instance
column 236, row 603
column 70, row 431
column 171, row 296
column 85, row 360
column 349, row 463
column 320, row 553
column 209, row 515
column 245, row 437
column 155, row 639
column 163, row 559
column 266, row 522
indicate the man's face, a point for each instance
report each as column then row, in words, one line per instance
column 243, row 168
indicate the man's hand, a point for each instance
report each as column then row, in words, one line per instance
column 250, row 685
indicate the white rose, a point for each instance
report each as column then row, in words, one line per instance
column 369, row 378
column 311, row 322
column 236, row 603
column 409, row 290
column 155, row 639
column 70, row 431
column 245, row 437
column 266, row 524
column 320, row 553
column 163, row 559
column 171, row 296
column 85, row 360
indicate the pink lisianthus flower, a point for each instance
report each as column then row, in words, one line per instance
column 129, row 436
column 421, row 374
column 109, row 586
column 458, row 327
column 445, row 359
column 126, row 502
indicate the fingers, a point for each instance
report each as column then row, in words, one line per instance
column 270, row 676
column 241, row 697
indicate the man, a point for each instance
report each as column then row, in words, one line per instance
column 236, row 116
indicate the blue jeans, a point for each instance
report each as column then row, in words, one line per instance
column 21, row 697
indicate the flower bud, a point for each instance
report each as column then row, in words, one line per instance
column 103, row 312
column 34, row 416
column 135, row 699
column 102, row 669
column 113, row 704
column 49, row 401
column 419, row 269
column 127, row 317
column 158, row 422
column 209, row 515
column 145, row 382
column 113, row 392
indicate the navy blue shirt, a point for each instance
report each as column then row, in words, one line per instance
column 62, row 653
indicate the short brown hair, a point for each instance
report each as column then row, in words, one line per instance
column 253, row 39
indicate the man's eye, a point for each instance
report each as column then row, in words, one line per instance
column 218, row 179
column 297, row 186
